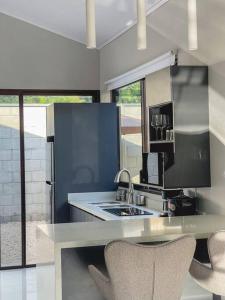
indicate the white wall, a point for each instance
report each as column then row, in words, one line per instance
column 34, row 58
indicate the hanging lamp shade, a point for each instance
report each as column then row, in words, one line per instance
column 192, row 25
column 90, row 24
column 141, row 25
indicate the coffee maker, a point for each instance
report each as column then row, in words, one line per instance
column 177, row 204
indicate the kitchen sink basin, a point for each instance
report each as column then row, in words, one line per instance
column 115, row 206
column 105, row 203
column 127, row 211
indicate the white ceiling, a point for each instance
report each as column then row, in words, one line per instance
column 67, row 17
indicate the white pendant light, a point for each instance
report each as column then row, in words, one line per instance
column 141, row 25
column 192, row 25
column 90, row 24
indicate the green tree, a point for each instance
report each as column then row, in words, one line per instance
column 130, row 93
column 5, row 99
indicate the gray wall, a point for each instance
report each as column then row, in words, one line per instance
column 34, row 58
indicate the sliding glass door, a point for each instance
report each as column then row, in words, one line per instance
column 24, row 195
column 10, row 183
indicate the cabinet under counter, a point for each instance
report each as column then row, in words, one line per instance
column 79, row 215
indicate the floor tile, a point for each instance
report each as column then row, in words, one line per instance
column 21, row 285
column 18, row 284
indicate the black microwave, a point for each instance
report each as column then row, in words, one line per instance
column 152, row 168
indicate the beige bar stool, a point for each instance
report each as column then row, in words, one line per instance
column 138, row 272
column 212, row 278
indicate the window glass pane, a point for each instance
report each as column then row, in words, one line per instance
column 38, row 194
column 10, row 183
column 129, row 99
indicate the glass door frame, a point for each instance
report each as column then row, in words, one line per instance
column 21, row 93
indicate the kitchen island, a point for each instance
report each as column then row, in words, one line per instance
column 65, row 250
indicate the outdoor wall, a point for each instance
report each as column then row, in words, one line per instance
column 37, row 206
column 10, row 206
column 131, row 144
column 37, row 202
column 34, row 58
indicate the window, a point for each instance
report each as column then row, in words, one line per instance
column 129, row 99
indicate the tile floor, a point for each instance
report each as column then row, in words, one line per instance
column 11, row 242
column 21, row 285
column 18, row 284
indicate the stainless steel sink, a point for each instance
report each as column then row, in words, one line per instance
column 115, row 206
column 127, row 211
column 104, row 203
column 122, row 209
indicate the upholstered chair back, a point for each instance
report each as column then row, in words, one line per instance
column 212, row 278
column 138, row 272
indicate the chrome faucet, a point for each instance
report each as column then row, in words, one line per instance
column 130, row 184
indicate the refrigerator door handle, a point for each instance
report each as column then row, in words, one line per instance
column 50, row 139
column 50, row 182
column 52, row 204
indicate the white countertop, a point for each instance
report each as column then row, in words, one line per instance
column 89, row 202
column 73, row 235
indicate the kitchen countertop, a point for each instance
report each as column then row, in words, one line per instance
column 87, row 234
column 89, row 202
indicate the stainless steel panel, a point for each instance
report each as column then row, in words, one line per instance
column 191, row 161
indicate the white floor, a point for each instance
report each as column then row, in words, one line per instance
column 21, row 285
column 18, row 284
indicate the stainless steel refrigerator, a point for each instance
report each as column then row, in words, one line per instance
column 83, row 152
